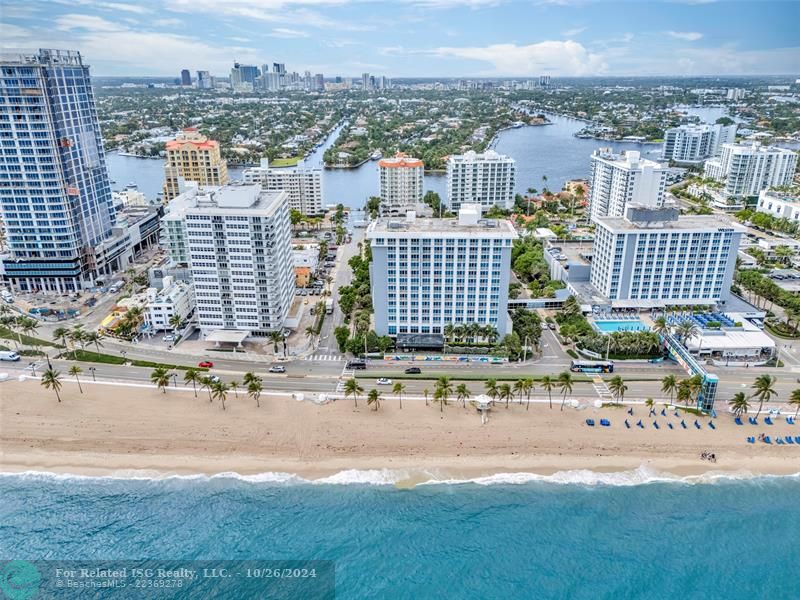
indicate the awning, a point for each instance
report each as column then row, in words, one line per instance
column 230, row 336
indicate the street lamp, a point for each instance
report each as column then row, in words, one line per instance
column 32, row 367
column 92, row 370
column 174, row 380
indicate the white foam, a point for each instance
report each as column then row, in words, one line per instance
column 643, row 475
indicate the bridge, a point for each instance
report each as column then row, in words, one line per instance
column 679, row 353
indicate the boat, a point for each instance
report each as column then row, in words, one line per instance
column 377, row 155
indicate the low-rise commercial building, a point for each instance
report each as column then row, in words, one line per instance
column 782, row 205
column 176, row 298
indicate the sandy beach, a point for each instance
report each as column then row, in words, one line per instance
column 110, row 430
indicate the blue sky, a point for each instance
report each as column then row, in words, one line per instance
column 407, row 38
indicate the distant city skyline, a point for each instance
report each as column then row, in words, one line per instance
column 416, row 38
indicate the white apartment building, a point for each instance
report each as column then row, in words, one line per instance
column 486, row 179
column 692, row 144
column 618, row 180
column 238, row 241
column 781, row 205
column 304, row 186
column 747, row 169
column 427, row 273
column 401, row 182
column 175, row 298
column 651, row 257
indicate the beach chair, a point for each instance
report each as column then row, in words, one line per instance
column 627, row 425
column 767, row 440
column 605, row 422
column 711, row 424
column 768, row 421
column 696, row 424
column 639, row 424
column 790, row 420
column 779, row 441
column 590, row 422
column 797, row 439
column 670, row 426
column 630, row 411
column 655, row 424
column 738, row 421
column 789, row 439
column 752, row 421
column 683, row 423
column 751, row 440
column 663, row 412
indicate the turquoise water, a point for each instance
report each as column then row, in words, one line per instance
column 607, row 537
column 628, row 325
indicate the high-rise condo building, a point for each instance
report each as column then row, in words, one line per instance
column 692, row 144
column 319, row 82
column 428, row 273
column 204, row 80
column 365, row 82
column 191, row 156
column 618, row 180
column 55, row 194
column 746, row 169
column 237, row 242
column 486, row 179
column 186, row 77
column 401, row 182
column 243, row 76
column 304, row 186
column 651, row 257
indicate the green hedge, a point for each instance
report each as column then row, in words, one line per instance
column 109, row 359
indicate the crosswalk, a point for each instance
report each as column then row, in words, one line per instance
column 602, row 389
column 324, row 357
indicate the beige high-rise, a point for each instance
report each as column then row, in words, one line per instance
column 191, row 156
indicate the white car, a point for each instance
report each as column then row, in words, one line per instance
column 169, row 338
column 384, row 381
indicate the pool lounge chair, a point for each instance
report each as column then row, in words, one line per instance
column 590, row 422
column 738, row 421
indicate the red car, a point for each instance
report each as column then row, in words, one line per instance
column 206, row 364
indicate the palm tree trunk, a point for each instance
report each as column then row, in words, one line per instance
column 80, row 388
column 760, row 405
column 58, row 396
column 550, row 398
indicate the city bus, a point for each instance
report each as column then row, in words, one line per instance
column 592, row 366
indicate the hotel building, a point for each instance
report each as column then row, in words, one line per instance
column 692, row 144
column 55, row 194
column 618, row 180
column 427, row 273
column 486, row 179
column 781, row 205
column 237, row 242
column 191, row 156
column 650, row 257
column 304, row 186
column 401, row 182
column 746, row 169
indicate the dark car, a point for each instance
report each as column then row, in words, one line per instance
column 413, row 371
column 356, row 364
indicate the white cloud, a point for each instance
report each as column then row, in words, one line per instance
column 86, row 22
column 688, row 36
column 284, row 32
column 168, row 23
column 139, row 10
column 556, row 57
column 573, row 32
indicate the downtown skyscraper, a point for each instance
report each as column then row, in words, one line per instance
column 55, row 194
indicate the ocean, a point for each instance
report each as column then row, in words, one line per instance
column 571, row 535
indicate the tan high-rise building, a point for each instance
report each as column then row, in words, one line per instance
column 191, row 156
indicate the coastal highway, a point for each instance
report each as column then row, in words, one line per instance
column 642, row 381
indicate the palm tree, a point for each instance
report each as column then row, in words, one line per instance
column 192, row 376
column 398, row 390
column 374, row 397
column 684, row 393
column 93, row 337
column 61, row 334
column 686, row 330
column 160, row 378
column 28, row 326
column 76, row 336
column 547, row 384
column 205, row 382
column 519, row 388
column 254, row 390
column 310, row 332
column 448, row 332
column 530, row 384
column 175, row 321
column 649, row 404
column 618, row 388
column 51, row 381
column 234, row 385
column 504, row 392
column 219, row 391
column 351, row 388
column 491, row 334
column 660, row 326
column 491, row 388
column 763, row 390
column 794, row 400
column 462, row 393
column 445, row 385
column 275, row 337
column 440, row 396
column 695, row 383
column 75, row 370
column 669, row 384
column 565, row 385
column 425, row 393
column 739, row 404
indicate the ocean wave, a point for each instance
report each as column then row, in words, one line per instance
column 643, row 475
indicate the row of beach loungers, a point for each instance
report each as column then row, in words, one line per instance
column 778, row 440
column 607, row 423
column 767, row 421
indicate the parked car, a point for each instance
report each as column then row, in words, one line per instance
column 169, row 338
column 9, row 355
column 356, row 364
column 215, row 379
column 277, row 369
column 413, row 371
column 551, row 326
column 206, row 364
column 384, row 381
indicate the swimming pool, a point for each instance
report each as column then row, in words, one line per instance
column 624, row 325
